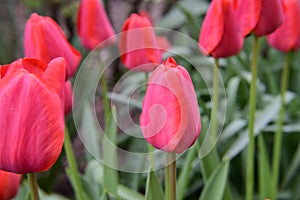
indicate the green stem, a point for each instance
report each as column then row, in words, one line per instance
column 251, row 145
column 105, row 99
column 215, row 100
column 278, row 134
column 33, row 186
column 73, row 166
column 170, row 176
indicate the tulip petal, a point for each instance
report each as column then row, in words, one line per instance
column 212, row 28
column 286, row 37
column 248, row 12
column 9, row 184
column 93, row 26
column 45, row 40
column 271, row 17
column 31, row 125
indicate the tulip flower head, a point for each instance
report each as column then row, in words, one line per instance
column 9, row 185
column 287, row 37
column 93, row 26
column 220, row 35
column 170, row 118
column 45, row 40
column 259, row 16
column 32, row 122
column 138, row 44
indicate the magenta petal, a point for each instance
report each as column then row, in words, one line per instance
column 170, row 118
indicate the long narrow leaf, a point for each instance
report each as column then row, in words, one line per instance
column 264, row 170
column 215, row 186
column 153, row 188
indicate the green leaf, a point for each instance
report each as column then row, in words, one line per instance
column 263, row 118
column 215, row 186
column 232, row 91
column 95, row 169
column 185, row 174
column 153, row 187
column 264, row 170
column 293, row 167
column 109, row 149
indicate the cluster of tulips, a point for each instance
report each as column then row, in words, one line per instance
column 36, row 91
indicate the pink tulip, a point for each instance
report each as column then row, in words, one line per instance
column 287, row 37
column 93, row 26
column 9, row 185
column 259, row 16
column 170, row 118
column 138, row 44
column 31, row 123
column 45, row 40
column 220, row 35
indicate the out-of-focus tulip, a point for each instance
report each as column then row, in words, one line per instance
column 9, row 185
column 287, row 37
column 220, row 35
column 68, row 97
column 259, row 16
column 93, row 26
column 31, row 121
column 138, row 44
column 163, row 43
column 45, row 40
column 170, row 118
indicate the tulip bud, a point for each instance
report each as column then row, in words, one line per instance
column 45, row 40
column 287, row 37
column 138, row 44
column 259, row 16
column 220, row 35
column 170, row 118
column 9, row 184
column 93, row 26
column 32, row 123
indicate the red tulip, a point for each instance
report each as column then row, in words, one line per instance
column 170, row 118
column 9, row 185
column 93, row 26
column 220, row 35
column 259, row 16
column 138, row 44
column 31, row 123
column 68, row 97
column 45, row 40
column 287, row 37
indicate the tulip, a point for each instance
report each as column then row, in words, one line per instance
column 138, row 44
column 287, row 37
column 220, row 35
column 170, row 118
column 93, row 26
column 9, row 185
column 31, row 123
column 259, row 16
column 45, row 40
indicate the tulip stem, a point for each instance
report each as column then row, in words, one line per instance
column 170, row 176
column 73, row 166
column 215, row 100
column 251, row 145
column 278, row 134
column 33, row 186
column 105, row 99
